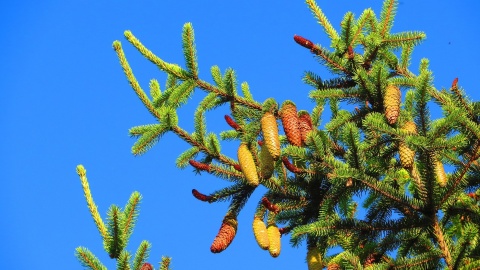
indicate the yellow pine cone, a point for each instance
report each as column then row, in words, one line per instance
column 274, row 240
column 407, row 155
column 391, row 103
column 410, row 127
column 247, row 165
column 267, row 164
column 440, row 173
column 314, row 259
column 270, row 134
column 225, row 235
column 288, row 114
column 260, row 232
column 305, row 124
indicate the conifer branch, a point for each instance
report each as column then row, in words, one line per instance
column 141, row 255
column 386, row 17
column 165, row 263
column 91, row 204
column 89, row 260
column 322, row 19
column 133, row 81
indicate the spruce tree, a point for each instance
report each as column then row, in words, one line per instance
column 387, row 150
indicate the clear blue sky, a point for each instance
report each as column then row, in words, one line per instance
column 64, row 101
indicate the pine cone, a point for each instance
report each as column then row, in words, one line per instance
column 274, row 240
column 260, row 232
column 288, row 114
column 266, row 163
column 247, row 165
column 440, row 173
column 305, row 124
column 407, row 155
column 146, row 266
column 391, row 103
column 270, row 134
column 225, row 235
column 333, row 266
column 314, row 259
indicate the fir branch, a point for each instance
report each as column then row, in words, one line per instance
column 82, row 173
column 335, row 63
column 366, row 17
column 123, row 261
column 87, row 259
column 184, row 158
column 130, row 214
column 386, row 17
column 155, row 91
column 167, row 67
column 165, row 263
column 116, row 237
column 322, row 19
column 133, row 81
column 141, row 255
column 188, row 42
column 149, row 138
column 237, row 99
column 246, row 91
column 405, row 39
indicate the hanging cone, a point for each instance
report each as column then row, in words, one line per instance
column 407, row 155
column 247, row 165
column 270, row 134
column 333, row 266
column 274, row 240
column 260, row 232
column 440, row 173
column 288, row 114
column 314, row 259
column 391, row 103
column 266, row 162
column 305, row 124
column 225, row 235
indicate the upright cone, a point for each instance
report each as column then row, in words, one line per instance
column 391, row 103
column 288, row 114
column 247, row 164
column 270, row 134
column 274, row 240
column 314, row 259
column 260, row 233
column 225, row 235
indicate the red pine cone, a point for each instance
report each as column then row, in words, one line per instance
column 270, row 206
column 288, row 114
column 454, row 83
column 232, row 123
column 290, row 166
column 351, row 54
column 284, row 230
column 146, row 266
column 303, row 42
column 237, row 167
column 198, row 165
column 305, row 124
column 225, row 235
column 200, row 196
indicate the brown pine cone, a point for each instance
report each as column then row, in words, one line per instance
column 225, row 235
column 291, row 126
